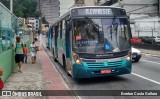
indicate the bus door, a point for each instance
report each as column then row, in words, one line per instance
column 51, row 43
column 55, row 40
column 68, row 38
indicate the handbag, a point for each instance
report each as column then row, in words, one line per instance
column 37, row 48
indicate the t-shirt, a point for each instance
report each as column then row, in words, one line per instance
column 24, row 50
column 32, row 46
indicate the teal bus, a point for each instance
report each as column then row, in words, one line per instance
column 93, row 41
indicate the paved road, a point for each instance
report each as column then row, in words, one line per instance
column 148, row 67
column 145, row 76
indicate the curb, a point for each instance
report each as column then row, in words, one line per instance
column 64, row 82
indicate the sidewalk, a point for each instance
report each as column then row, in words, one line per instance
column 39, row 76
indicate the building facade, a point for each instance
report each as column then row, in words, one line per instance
column 49, row 9
column 135, row 6
column 33, row 24
column 143, row 15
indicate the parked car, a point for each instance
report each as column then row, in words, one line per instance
column 150, row 39
column 136, row 54
column 136, row 40
column 157, row 39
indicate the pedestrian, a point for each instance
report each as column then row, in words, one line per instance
column 33, row 52
column 25, row 53
column 36, row 45
column 18, row 46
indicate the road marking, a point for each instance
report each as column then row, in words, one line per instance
column 146, row 78
column 150, row 61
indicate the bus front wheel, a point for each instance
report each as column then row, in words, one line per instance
column 65, row 66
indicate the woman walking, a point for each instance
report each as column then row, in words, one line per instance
column 19, row 57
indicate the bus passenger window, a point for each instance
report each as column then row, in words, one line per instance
column 60, row 31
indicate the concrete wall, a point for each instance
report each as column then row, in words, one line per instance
column 146, row 27
column 65, row 5
column 7, row 62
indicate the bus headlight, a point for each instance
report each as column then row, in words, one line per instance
column 76, row 58
column 129, row 56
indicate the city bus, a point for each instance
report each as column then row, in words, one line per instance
column 93, row 41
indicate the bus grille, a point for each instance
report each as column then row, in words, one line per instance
column 102, row 65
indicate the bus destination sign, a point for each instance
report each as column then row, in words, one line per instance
column 98, row 11
column 92, row 12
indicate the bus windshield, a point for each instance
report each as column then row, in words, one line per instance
column 99, row 36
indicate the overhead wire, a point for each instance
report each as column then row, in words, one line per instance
column 149, row 4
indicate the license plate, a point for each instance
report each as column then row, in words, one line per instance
column 105, row 71
column 134, row 56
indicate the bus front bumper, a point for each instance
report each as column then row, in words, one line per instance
column 79, row 71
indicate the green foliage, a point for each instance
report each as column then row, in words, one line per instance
column 5, row 2
column 23, row 8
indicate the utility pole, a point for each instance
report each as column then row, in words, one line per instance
column 11, row 6
column 40, row 19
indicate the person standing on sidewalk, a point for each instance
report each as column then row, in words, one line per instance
column 25, row 53
column 19, row 57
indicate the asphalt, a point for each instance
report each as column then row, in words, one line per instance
column 153, row 53
column 43, row 75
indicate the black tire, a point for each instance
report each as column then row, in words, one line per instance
column 136, row 60
column 55, row 60
column 54, row 57
column 65, row 67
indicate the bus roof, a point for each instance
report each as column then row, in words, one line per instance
column 79, row 7
column 95, row 7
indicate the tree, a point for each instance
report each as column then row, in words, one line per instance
column 23, row 8
column 6, row 3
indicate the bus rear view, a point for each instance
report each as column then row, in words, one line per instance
column 100, row 42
